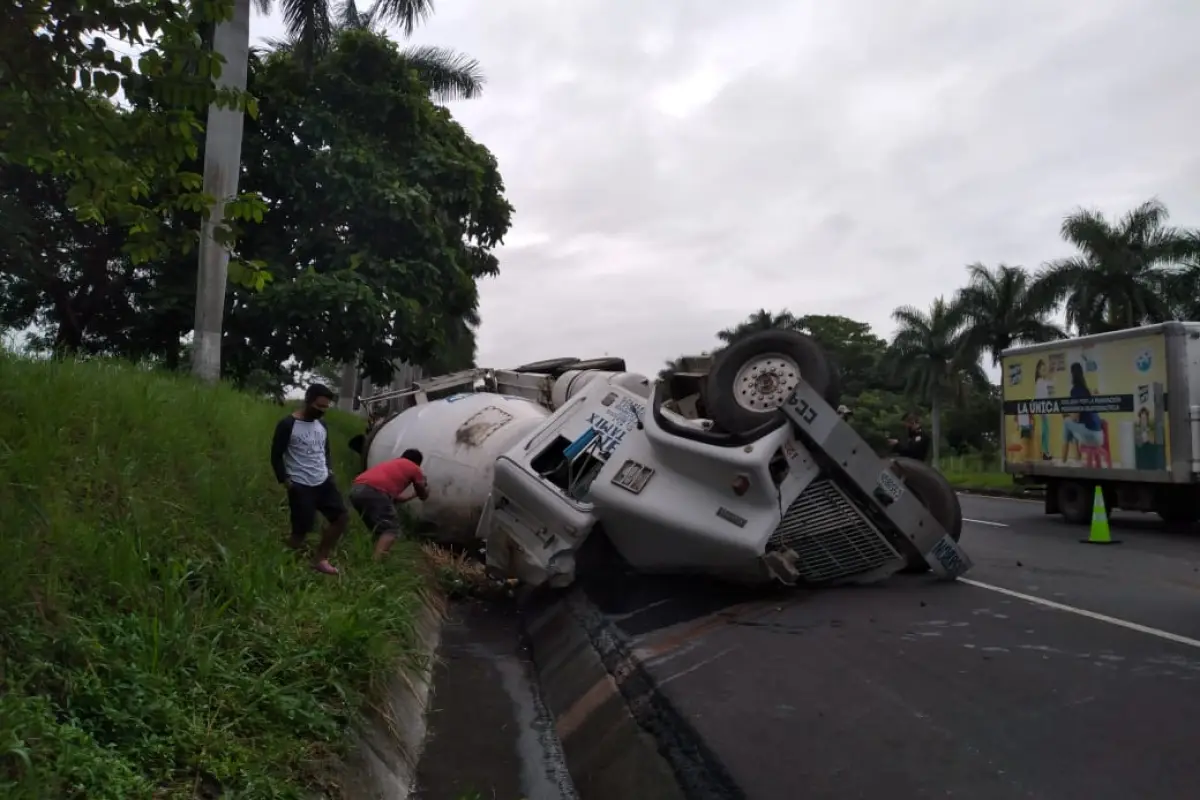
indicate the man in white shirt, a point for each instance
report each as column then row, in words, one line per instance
column 301, row 460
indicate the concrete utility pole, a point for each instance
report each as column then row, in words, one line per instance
column 222, row 165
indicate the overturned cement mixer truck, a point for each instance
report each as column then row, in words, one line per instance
column 735, row 466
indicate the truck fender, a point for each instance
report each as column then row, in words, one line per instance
column 937, row 495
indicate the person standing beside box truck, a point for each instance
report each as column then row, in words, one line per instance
column 1129, row 402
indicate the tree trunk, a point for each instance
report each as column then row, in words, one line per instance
column 1000, row 434
column 68, row 337
column 936, row 413
column 347, row 383
column 222, row 163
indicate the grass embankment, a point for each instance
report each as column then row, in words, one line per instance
column 156, row 640
column 973, row 474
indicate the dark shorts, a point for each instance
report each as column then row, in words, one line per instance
column 377, row 510
column 305, row 502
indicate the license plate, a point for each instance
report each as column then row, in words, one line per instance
column 947, row 560
column 890, row 485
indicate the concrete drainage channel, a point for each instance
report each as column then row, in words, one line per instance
column 532, row 700
column 490, row 733
column 619, row 736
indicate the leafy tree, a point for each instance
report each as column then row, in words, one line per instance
column 1122, row 276
column 857, row 351
column 383, row 216
column 312, row 27
column 929, row 352
column 969, row 424
column 59, row 68
column 878, row 415
column 1002, row 308
column 65, row 275
column 457, row 350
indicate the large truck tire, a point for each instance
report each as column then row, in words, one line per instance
column 1178, row 507
column 937, row 495
column 547, row 366
column 1075, row 500
column 753, row 377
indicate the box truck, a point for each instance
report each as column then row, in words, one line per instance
column 1117, row 410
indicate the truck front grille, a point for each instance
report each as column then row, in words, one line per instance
column 832, row 539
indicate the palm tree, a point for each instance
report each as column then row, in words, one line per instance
column 1122, row 275
column 313, row 24
column 448, row 74
column 930, row 353
column 1002, row 308
column 761, row 320
column 1184, row 285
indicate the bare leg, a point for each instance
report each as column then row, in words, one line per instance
column 383, row 544
column 329, row 539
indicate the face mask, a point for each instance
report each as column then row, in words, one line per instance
column 315, row 413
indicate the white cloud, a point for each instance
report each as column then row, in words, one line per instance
column 676, row 165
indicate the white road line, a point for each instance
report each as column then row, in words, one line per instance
column 986, row 522
column 1083, row 612
column 1000, row 497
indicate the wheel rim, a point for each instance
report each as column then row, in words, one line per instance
column 764, row 384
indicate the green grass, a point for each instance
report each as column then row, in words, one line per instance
column 982, row 481
column 973, row 473
column 156, row 640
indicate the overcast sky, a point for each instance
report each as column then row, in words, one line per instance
column 678, row 164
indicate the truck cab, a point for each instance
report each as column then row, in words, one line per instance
column 767, row 495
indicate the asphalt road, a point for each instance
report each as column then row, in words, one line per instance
column 1086, row 687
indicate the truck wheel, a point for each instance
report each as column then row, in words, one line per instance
column 1178, row 508
column 549, row 365
column 937, row 495
column 753, row 377
column 1075, row 502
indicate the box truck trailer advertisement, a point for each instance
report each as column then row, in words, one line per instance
column 1101, row 406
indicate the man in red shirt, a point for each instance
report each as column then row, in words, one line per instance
column 376, row 492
